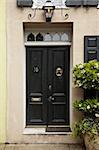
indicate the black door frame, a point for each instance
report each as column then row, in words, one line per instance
column 69, row 71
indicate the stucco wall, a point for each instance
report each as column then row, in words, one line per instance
column 2, row 71
column 85, row 22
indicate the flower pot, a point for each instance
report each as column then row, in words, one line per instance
column 91, row 144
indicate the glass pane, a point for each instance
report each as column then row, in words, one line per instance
column 47, row 37
column 39, row 37
column 56, row 37
column 31, row 37
column 64, row 37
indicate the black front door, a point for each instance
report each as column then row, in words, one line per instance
column 47, row 82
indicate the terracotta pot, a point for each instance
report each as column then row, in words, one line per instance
column 91, row 144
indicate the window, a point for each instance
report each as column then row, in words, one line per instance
column 48, row 37
column 91, row 48
column 57, row 3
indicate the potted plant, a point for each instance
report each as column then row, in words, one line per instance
column 88, row 126
column 86, row 76
column 88, row 129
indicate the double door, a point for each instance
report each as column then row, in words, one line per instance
column 47, row 85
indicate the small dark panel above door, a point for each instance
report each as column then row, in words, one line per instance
column 24, row 3
column 90, row 3
column 73, row 3
column 78, row 3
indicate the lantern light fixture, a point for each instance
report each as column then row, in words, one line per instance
column 48, row 10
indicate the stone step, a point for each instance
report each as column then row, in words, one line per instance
column 41, row 147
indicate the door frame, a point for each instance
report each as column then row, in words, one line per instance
column 41, row 129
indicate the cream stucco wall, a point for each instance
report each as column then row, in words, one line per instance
column 85, row 22
column 2, row 71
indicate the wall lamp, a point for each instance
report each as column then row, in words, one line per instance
column 48, row 10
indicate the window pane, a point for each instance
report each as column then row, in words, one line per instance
column 56, row 37
column 47, row 37
column 31, row 37
column 64, row 37
column 39, row 37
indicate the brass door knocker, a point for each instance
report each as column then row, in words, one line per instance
column 59, row 72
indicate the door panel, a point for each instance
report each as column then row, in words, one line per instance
column 58, row 62
column 36, row 63
column 59, row 80
column 36, row 85
column 47, row 85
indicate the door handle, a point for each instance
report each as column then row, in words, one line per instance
column 53, row 99
column 50, row 87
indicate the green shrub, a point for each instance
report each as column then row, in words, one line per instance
column 89, row 106
column 86, row 75
column 88, row 126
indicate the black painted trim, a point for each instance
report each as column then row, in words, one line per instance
column 24, row 3
column 58, row 129
column 90, row 3
column 73, row 3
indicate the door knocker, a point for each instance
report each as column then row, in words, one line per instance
column 35, row 69
column 59, row 72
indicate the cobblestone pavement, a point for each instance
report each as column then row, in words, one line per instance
column 40, row 147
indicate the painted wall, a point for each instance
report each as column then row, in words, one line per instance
column 2, row 71
column 85, row 22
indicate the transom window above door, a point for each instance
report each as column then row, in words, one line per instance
column 48, row 36
column 57, row 3
column 47, row 33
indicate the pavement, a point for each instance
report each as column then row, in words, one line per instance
column 40, row 147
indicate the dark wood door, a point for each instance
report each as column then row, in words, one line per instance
column 47, row 85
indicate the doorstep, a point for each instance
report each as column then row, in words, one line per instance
column 41, row 147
